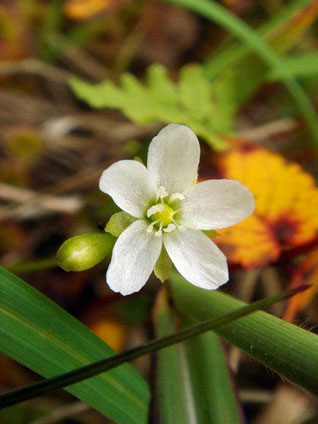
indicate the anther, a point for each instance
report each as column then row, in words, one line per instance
column 154, row 209
column 176, row 196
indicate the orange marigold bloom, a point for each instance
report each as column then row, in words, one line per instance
column 286, row 206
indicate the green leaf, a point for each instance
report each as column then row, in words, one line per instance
column 195, row 92
column 192, row 101
column 173, row 401
column 211, row 233
column 118, row 223
column 289, row 350
column 213, row 389
column 299, row 66
column 192, row 379
column 88, row 371
column 163, row 266
column 39, row 334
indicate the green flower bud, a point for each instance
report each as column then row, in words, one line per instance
column 84, row 251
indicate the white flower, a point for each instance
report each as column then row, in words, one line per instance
column 171, row 211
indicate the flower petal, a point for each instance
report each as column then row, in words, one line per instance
column 173, row 158
column 217, row 204
column 197, row 258
column 134, row 256
column 129, row 184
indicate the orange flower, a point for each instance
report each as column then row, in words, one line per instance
column 110, row 331
column 83, row 9
column 286, row 206
column 306, row 273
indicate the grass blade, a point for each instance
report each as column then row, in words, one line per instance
column 285, row 348
column 173, row 391
column 219, row 14
column 214, row 390
column 192, row 378
column 37, row 333
column 107, row 364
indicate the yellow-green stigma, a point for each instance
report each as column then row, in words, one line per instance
column 161, row 217
column 164, row 216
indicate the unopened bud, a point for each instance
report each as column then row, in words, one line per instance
column 84, row 251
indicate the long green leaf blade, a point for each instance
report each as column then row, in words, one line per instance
column 106, row 364
column 192, row 379
column 173, row 392
column 214, row 391
column 38, row 334
column 285, row 348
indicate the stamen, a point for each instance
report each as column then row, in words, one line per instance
column 161, row 193
column 178, row 210
column 159, row 232
column 170, row 228
column 154, row 209
column 176, row 196
column 150, row 227
column 179, row 226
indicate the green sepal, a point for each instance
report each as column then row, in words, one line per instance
column 163, row 266
column 212, row 233
column 118, row 223
column 138, row 159
column 82, row 252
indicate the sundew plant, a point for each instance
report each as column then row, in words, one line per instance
column 158, row 212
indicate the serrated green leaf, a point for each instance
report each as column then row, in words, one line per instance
column 195, row 92
column 163, row 266
column 191, row 101
column 118, row 223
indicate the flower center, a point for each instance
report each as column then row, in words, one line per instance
column 163, row 214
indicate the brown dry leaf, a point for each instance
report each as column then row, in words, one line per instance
column 286, row 206
column 14, row 33
column 289, row 406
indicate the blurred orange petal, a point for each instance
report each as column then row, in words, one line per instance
column 250, row 243
column 306, row 273
column 286, row 204
column 83, row 9
column 110, row 331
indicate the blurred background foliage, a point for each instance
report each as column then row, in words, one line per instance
column 84, row 83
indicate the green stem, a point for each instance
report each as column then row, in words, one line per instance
column 32, row 266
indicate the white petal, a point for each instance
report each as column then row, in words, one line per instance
column 173, row 158
column 217, row 204
column 134, row 256
column 129, row 184
column 197, row 258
